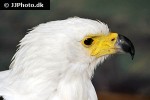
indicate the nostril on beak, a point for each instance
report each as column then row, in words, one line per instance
column 113, row 39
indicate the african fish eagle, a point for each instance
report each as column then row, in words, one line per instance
column 56, row 60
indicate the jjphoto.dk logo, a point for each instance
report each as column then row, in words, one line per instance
column 39, row 4
column 25, row 5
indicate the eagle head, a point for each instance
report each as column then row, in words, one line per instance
column 57, row 59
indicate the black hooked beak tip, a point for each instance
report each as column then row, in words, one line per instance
column 126, row 45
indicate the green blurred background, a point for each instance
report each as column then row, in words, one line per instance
column 131, row 18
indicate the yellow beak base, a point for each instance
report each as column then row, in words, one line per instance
column 102, row 44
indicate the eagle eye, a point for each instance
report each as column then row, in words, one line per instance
column 88, row 41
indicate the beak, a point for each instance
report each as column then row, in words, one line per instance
column 112, row 43
column 125, row 45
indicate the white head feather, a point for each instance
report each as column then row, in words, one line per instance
column 51, row 63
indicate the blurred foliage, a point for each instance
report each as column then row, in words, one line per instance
column 128, row 17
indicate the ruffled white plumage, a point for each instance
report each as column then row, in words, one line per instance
column 51, row 64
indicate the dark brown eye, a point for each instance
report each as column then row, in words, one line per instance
column 88, row 41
